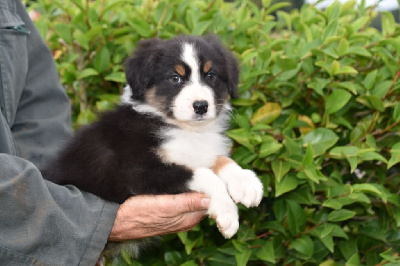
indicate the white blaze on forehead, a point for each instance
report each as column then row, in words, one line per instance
column 194, row 90
column 190, row 58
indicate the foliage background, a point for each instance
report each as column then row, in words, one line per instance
column 318, row 119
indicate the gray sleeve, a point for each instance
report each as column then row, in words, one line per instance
column 43, row 223
column 40, row 222
column 41, row 121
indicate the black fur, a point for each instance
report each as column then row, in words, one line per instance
column 115, row 157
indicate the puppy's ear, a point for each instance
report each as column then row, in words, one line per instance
column 139, row 68
column 231, row 65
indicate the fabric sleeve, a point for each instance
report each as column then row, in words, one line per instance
column 45, row 223
column 41, row 222
column 42, row 117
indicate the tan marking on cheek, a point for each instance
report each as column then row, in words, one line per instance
column 207, row 66
column 220, row 163
column 180, row 70
column 153, row 100
column 150, row 95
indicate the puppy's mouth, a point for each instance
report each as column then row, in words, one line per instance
column 200, row 118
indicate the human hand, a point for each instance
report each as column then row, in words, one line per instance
column 147, row 215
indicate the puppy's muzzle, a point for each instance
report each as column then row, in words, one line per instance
column 200, row 107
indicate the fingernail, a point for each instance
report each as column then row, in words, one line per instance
column 205, row 202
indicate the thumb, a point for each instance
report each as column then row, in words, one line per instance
column 194, row 201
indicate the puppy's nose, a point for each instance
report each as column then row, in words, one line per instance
column 200, row 107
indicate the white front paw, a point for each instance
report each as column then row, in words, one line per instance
column 243, row 185
column 222, row 209
column 225, row 214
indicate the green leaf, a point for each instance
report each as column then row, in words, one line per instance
column 321, row 140
column 86, row 117
column 242, row 136
column 64, row 32
column 381, row 88
column 328, row 243
column 366, row 188
column 269, row 146
column 395, row 158
column 396, row 113
column 201, row 27
column 280, row 168
column 42, row 27
column 310, row 173
column 346, row 70
column 346, row 152
column 304, row 245
column 359, row 23
column 267, row 113
column 330, row 30
column 141, row 27
column 333, row 11
column 81, row 39
column 342, row 47
column 286, row 63
column 336, row 100
column 333, row 204
column 373, row 232
column 243, row 257
column 358, row 50
column 189, row 263
column 190, row 244
column 277, row 6
column 348, row 248
column 267, row 252
column 117, row 77
column 88, row 72
column 326, row 66
column 163, row 13
column 341, row 215
column 286, row 184
column 125, row 255
column 335, row 68
column 348, row 86
column 353, row 261
column 388, row 23
column 289, row 74
column 296, row 217
column 244, row 156
column 371, row 156
column 318, row 85
column 102, row 60
column 369, row 80
column 371, row 101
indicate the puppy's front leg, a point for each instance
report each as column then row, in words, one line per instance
column 222, row 209
column 243, row 185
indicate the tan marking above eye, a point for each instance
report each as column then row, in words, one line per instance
column 180, row 70
column 207, row 66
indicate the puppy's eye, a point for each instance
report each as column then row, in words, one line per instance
column 211, row 75
column 175, row 79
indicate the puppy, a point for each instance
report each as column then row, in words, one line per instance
column 167, row 134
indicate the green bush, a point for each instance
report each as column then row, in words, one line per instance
column 318, row 119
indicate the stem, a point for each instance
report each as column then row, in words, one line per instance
column 393, row 83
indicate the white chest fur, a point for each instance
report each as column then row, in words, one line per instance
column 193, row 149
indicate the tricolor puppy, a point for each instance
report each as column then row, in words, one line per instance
column 167, row 135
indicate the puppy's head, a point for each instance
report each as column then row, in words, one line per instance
column 187, row 78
